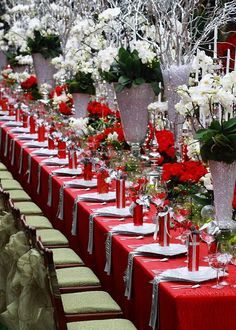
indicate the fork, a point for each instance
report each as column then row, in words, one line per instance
column 177, row 287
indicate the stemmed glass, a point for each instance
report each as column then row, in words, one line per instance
column 219, row 261
column 233, row 260
column 225, row 250
column 209, row 239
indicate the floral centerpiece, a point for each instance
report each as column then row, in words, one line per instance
column 30, row 88
column 62, row 101
column 210, row 105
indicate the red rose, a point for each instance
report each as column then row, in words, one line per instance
column 65, row 109
column 29, row 83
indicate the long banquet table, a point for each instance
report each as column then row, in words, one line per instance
column 203, row 308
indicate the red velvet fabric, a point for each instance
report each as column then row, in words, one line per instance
column 192, row 309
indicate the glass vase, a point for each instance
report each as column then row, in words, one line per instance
column 133, row 103
column 44, row 70
column 173, row 77
column 223, row 180
column 81, row 102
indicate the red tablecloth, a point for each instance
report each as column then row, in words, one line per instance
column 191, row 309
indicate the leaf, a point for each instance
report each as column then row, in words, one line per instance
column 229, row 125
column 119, row 88
column 215, row 125
column 123, row 80
column 155, row 87
column 138, row 81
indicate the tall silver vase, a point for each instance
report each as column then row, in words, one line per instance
column 133, row 103
column 3, row 60
column 173, row 77
column 223, row 179
column 44, row 70
column 81, row 102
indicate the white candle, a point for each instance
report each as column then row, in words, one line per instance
column 159, row 95
column 228, row 61
column 215, row 42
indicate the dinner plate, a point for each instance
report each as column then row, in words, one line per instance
column 155, row 248
column 36, row 144
column 7, row 118
column 81, row 183
column 183, row 274
column 27, row 136
column 96, row 197
column 4, row 113
column 68, row 171
column 130, row 228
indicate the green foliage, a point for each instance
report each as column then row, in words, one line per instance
column 82, row 83
column 12, row 53
column 218, row 142
column 49, row 46
column 129, row 71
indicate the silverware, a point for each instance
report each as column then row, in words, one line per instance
column 131, row 237
column 177, row 287
column 153, row 260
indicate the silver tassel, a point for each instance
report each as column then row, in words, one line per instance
column 28, row 172
column 21, row 161
column 49, row 203
column 154, row 316
column 90, row 241
column 108, row 246
column 60, row 211
column 13, row 152
column 74, row 217
column 129, row 274
column 39, row 179
column 6, row 146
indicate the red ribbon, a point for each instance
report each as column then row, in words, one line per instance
column 32, row 122
column 120, row 193
column 72, row 156
column 88, row 174
column 61, row 149
column 102, row 185
column 25, row 119
column 164, row 230
column 41, row 133
column 138, row 215
column 193, row 251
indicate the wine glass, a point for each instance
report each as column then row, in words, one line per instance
column 209, row 239
column 225, row 250
column 233, row 260
column 219, row 261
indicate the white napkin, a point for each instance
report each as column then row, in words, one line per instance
column 68, row 171
column 4, row 113
column 113, row 211
column 13, row 124
column 27, row 136
column 155, row 248
column 130, row 228
column 45, row 152
column 20, row 130
column 110, row 196
column 7, row 118
column 81, row 183
column 55, row 161
column 183, row 274
column 36, row 144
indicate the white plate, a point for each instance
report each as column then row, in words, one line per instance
column 81, row 183
column 55, row 161
column 4, row 113
column 130, row 228
column 110, row 196
column 155, row 248
column 27, row 136
column 183, row 274
column 114, row 212
column 36, row 144
column 20, row 130
column 68, row 171
column 7, row 118
column 45, row 152
column 13, row 124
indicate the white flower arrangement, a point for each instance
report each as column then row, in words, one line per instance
column 106, row 57
column 80, row 126
column 109, row 14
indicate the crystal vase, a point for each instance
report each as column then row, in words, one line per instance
column 44, row 70
column 81, row 102
column 173, row 77
column 223, row 179
column 3, row 60
column 133, row 103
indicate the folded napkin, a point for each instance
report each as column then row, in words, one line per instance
column 7, row 118
column 81, row 183
column 45, row 152
column 110, row 196
column 113, row 211
column 13, row 124
column 67, row 171
column 55, row 161
column 26, row 136
column 130, row 228
column 36, row 144
column 155, row 248
column 4, row 113
column 20, row 130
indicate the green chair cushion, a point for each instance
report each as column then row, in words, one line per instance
column 88, row 302
column 11, row 185
column 2, row 167
column 38, row 222
column 5, row 175
column 113, row 324
column 76, row 276
column 19, row 195
column 52, row 237
column 28, row 208
column 64, row 256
